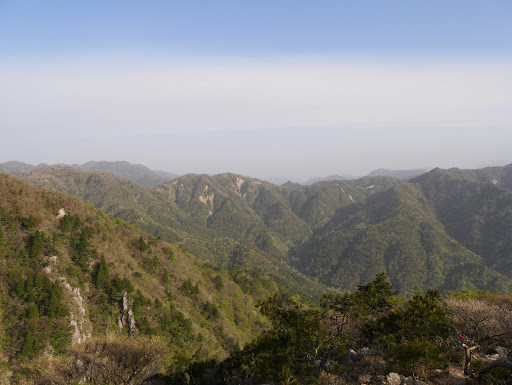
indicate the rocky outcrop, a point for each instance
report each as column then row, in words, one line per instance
column 127, row 320
column 393, row 379
column 132, row 328
column 78, row 320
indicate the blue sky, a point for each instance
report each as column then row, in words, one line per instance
column 295, row 88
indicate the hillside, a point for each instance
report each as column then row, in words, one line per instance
column 328, row 178
column 184, row 221
column 396, row 231
column 474, row 210
column 401, row 174
column 135, row 172
column 65, row 266
column 339, row 234
column 15, row 167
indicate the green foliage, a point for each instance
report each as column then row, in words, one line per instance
column 410, row 337
column 56, row 308
column 81, row 245
column 65, row 223
column 287, row 351
column 60, row 337
column 189, row 289
column 36, row 244
column 173, row 323
column 33, row 312
column 20, row 288
column 219, row 283
column 34, row 307
column 497, row 376
column 413, row 356
column 165, row 277
column 117, row 286
column 138, row 302
column 211, row 311
column 370, row 300
column 423, row 316
column 102, row 279
column 145, row 327
column 31, row 345
column 141, row 244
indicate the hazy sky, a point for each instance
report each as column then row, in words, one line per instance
column 263, row 88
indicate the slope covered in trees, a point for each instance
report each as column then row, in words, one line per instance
column 395, row 231
column 135, row 172
column 68, row 273
column 445, row 229
column 372, row 336
column 475, row 210
column 65, row 268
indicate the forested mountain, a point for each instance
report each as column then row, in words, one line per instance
column 135, row 172
column 446, row 228
column 395, row 231
column 327, row 178
column 65, row 269
column 68, row 272
column 185, row 221
column 474, row 210
column 402, row 174
column 15, row 167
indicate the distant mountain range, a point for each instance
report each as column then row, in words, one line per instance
column 401, row 174
column 449, row 229
column 444, row 228
column 135, row 172
column 330, row 177
column 150, row 178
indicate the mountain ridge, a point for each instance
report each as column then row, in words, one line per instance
column 233, row 220
column 135, row 172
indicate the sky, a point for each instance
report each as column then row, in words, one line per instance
column 295, row 88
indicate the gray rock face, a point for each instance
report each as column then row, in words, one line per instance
column 78, row 320
column 132, row 328
column 125, row 301
column 128, row 319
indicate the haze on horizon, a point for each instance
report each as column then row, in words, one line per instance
column 260, row 88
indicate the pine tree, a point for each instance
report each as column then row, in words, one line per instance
column 29, row 285
column 142, row 246
column 165, row 277
column 28, row 346
column 33, row 312
column 36, row 243
column 102, row 275
column 20, row 288
column 77, row 223
column 65, row 223
column 55, row 307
